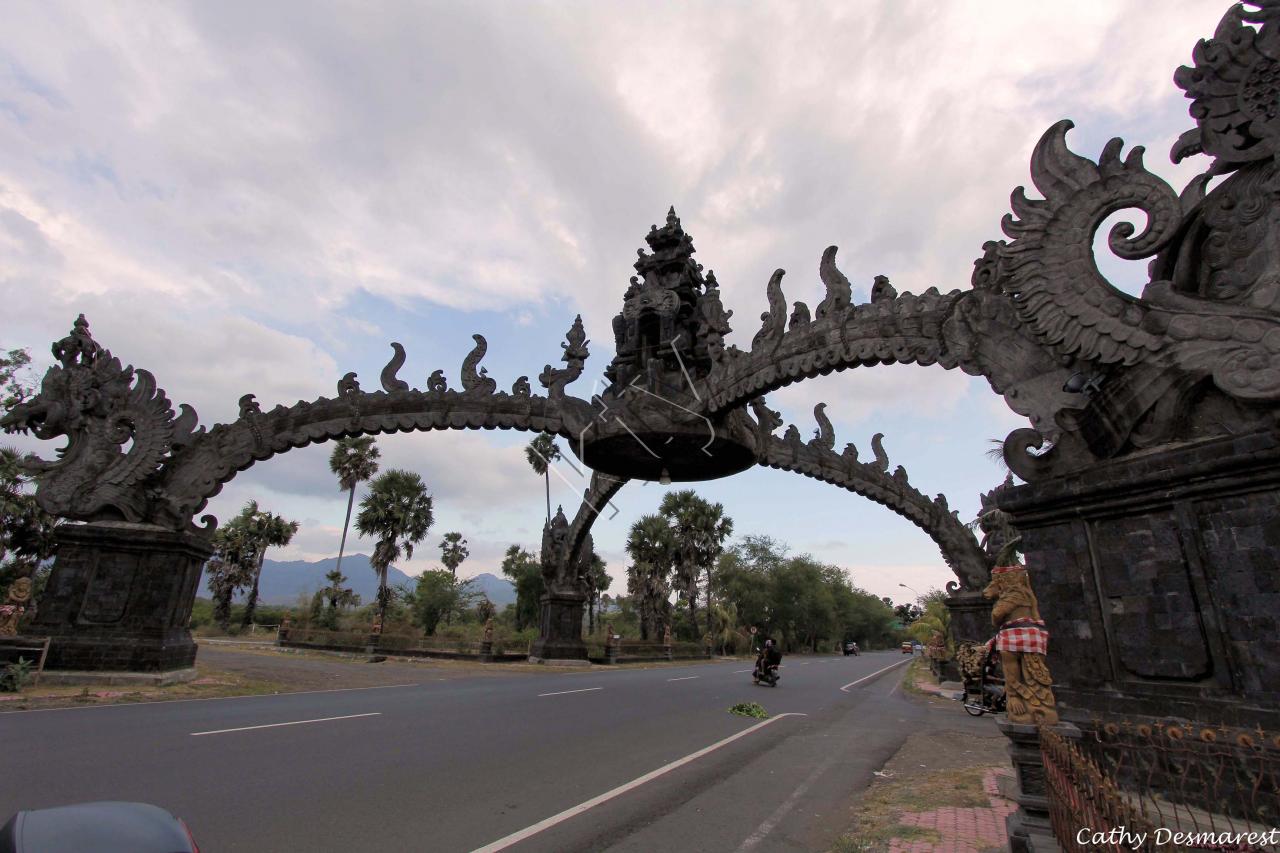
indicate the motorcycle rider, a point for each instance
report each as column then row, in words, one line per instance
column 769, row 657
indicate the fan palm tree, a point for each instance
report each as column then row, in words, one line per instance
column 264, row 530
column 453, row 550
column 699, row 529
column 651, row 547
column 397, row 512
column 541, row 452
column 353, row 460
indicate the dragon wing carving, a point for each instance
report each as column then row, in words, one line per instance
column 1049, row 267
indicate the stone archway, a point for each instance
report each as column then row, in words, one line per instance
column 1149, row 511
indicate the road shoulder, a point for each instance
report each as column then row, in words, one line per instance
column 940, row 790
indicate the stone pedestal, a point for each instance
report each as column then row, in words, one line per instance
column 970, row 616
column 1029, row 828
column 560, row 637
column 486, row 652
column 120, row 597
column 1156, row 576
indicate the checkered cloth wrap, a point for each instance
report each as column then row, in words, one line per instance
column 1021, row 635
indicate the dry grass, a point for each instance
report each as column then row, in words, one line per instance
column 209, row 684
column 887, row 800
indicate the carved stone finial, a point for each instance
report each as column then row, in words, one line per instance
column 348, row 385
column 839, row 291
column 799, row 316
column 521, row 387
column 474, row 382
column 1023, row 643
column 390, row 383
column 574, row 356
column 78, row 347
column 882, row 458
column 436, row 382
column 249, row 406
column 775, row 319
column 882, row 290
column 826, row 433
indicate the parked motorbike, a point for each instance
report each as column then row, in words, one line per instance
column 984, row 694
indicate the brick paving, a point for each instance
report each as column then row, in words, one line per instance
column 960, row 830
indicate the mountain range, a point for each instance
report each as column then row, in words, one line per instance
column 283, row 581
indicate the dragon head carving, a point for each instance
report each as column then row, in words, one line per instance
column 119, row 426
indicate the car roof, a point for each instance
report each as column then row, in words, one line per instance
column 103, row 827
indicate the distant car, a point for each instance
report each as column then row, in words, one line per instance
column 850, row 647
column 105, row 827
column 907, row 649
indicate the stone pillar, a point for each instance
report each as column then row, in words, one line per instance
column 1156, row 577
column 120, row 597
column 970, row 616
column 560, row 637
column 1029, row 828
column 486, row 651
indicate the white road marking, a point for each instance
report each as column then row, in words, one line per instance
column 215, row 698
column 736, row 671
column 783, row 810
column 806, row 663
column 293, row 723
column 845, row 689
column 563, row 692
column 686, row 678
column 530, row 831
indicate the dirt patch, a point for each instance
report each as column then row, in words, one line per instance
column 210, row 683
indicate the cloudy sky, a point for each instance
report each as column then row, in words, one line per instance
column 249, row 197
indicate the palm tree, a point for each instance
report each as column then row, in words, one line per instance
column 699, row 529
column 650, row 545
column 597, row 581
column 264, row 530
column 541, row 452
column 453, row 550
column 339, row 595
column 353, row 460
column 397, row 512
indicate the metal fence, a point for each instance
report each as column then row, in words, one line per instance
column 1164, row 786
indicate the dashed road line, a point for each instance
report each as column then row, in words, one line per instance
column 291, row 723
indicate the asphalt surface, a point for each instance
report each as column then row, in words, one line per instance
column 462, row 764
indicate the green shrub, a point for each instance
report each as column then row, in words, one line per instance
column 14, row 676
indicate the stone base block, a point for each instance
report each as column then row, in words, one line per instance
column 559, row 661
column 119, row 598
column 560, row 637
column 71, row 677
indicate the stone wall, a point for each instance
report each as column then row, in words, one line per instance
column 1159, row 579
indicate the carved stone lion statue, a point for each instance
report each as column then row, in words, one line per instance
column 1023, row 642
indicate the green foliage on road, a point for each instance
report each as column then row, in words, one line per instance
column 750, row 709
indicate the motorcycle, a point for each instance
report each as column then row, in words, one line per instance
column 768, row 676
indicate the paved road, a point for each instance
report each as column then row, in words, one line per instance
column 458, row 765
